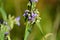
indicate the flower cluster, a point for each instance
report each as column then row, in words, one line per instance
column 31, row 17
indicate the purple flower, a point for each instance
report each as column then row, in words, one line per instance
column 29, row 18
column 17, row 21
column 34, row 14
column 32, row 17
column 17, row 18
column 26, row 13
column 34, row 0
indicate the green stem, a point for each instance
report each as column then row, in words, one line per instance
column 2, row 10
column 2, row 32
column 26, row 31
column 33, row 6
column 8, row 37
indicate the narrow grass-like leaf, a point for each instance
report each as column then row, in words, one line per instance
column 3, row 13
column 39, row 26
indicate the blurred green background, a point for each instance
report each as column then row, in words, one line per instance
column 49, row 12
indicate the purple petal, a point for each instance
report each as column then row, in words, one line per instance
column 34, row 14
column 32, row 19
column 6, row 33
column 17, row 21
column 25, row 14
column 18, row 18
column 29, row 18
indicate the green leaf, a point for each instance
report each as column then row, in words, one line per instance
column 3, row 13
column 39, row 26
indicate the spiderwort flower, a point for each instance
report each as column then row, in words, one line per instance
column 17, row 19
